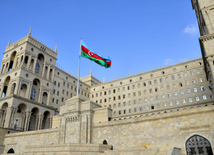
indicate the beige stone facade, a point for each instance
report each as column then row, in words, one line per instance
column 168, row 110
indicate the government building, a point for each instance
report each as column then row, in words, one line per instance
column 166, row 111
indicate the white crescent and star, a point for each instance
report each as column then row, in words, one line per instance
column 90, row 53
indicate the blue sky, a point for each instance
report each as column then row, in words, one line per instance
column 135, row 34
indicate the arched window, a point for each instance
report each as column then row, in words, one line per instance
column 6, row 83
column 33, row 94
column 44, row 98
column 198, row 145
column 37, row 68
column 2, row 69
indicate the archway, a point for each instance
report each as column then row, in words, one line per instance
column 3, row 114
column 12, row 58
column 198, row 145
column 11, row 151
column 46, row 120
column 33, row 119
column 19, row 118
column 5, row 88
column 39, row 64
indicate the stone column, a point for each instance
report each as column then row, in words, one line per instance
column 1, row 117
column 28, row 63
column 8, row 117
column 43, row 69
column 23, row 121
column 23, row 60
column 27, row 120
column 12, row 117
column 40, row 95
column 50, row 124
column 18, row 87
column 48, row 72
column 40, row 119
column 29, row 90
column 89, row 129
column 34, row 66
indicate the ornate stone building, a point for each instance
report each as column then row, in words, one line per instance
column 168, row 110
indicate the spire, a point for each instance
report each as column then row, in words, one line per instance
column 9, row 42
column 56, row 48
column 29, row 34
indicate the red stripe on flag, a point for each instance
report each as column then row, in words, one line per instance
column 91, row 54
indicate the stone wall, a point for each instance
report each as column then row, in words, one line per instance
column 18, row 141
column 163, row 131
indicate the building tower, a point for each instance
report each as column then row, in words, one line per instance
column 204, row 10
column 26, row 85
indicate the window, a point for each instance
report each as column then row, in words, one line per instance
column 123, row 88
column 114, row 113
column 170, row 103
column 145, row 92
column 161, row 80
column 133, row 86
column 163, row 95
column 152, row 107
column 140, row 100
column 129, row 102
column 147, row 108
column 124, row 111
column 37, row 68
column 151, row 98
column 183, row 100
column 187, row 83
column 129, row 95
column 118, row 97
column 134, row 94
column 109, row 92
column 204, row 97
column 198, row 71
column 180, row 83
column 158, row 105
column 191, row 72
column 174, row 85
column 167, row 79
column 58, row 84
column 164, row 104
column 177, row 102
column 63, row 91
column 114, row 90
column 63, row 83
column 157, row 97
column 67, row 85
column 124, row 103
column 144, row 84
column 185, row 74
column 150, row 90
column 168, row 87
column 211, row 96
column 156, row 89
column 179, row 76
column 100, row 93
column 195, row 90
column 135, row 109
column 161, row 87
column 135, row 102
column 197, row 98
column 146, row 99
column 150, row 83
column 119, row 112
column 173, row 77
column 169, row 95
column 175, row 93
column 182, row 92
column 32, row 95
column 141, row 108
column 54, row 83
column 54, row 91
column 202, row 88
column 190, row 100
column 188, row 91
column 139, row 93
column 193, row 81
column 130, row 110
column 200, row 79
column 128, row 87
column 118, row 90
column 104, row 92
column 57, row 93
column 155, row 81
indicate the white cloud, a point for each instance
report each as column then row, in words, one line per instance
column 191, row 29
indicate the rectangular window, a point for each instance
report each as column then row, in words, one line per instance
column 195, row 90
column 158, row 105
column 170, row 103
column 191, row 72
column 167, row 79
column 179, row 76
column 197, row 98
column 175, row 93
column 185, row 74
column 198, row 71
column 190, row 100
column 200, row 79
column 151, row 98
column 54, row 91
column 173, row 77
column 193, row 81
column 54, row 83
column 169, row 95
column 182, row 92
column 123, row 88
column 138, row 85
column 187, row 83
column 164, row 104
column 63, row 83
column 202, row 88
column 67, row 85
column 204, row 97
column 58, row 84
column 139, row 93
column 177, row 102
column 118, row 90
column 183, row 100
column 188, row 91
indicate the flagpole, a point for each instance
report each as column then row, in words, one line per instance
column 78, row 82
